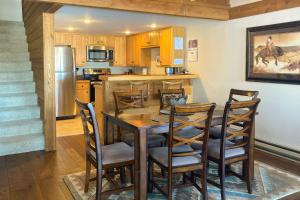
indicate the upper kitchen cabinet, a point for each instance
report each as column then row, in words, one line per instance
column 120, row 51
column 79, row 43
column 135, row 54
column 172, row 47
column 110, row 41
column 61, row 38
column 150, row 39
column 132, row 47
column 100, row 40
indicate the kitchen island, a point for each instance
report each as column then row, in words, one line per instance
column 104, row 100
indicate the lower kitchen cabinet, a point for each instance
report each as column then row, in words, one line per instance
column 83, row 91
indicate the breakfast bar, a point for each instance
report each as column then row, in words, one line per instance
column 104, row 101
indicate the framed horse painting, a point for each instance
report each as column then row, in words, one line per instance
column 273, row 53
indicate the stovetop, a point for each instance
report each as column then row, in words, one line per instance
column 94, row 73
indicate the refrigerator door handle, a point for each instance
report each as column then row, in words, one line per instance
column 74, row 59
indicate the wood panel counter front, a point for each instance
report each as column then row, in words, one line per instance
column 104, row 100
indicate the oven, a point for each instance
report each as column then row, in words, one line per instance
column 99, row 54
column 93, row 74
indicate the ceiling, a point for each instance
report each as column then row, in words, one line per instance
column 117, row 22
column 114, row 22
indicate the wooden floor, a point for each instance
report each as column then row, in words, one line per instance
column 38, row 175
column 68, row 127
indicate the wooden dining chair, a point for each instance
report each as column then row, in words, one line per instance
column 235, row 95
column 128, row 100
column 235, row 144
column 165, row 94
column 140, row 85
column 102, row 157
column 172, row 84
column 165, row 104
column 133, row 100
column 179, row 156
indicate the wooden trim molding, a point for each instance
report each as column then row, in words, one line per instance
column 262, row 7
column 49, row 82
column 39, row 26
column 214, row 9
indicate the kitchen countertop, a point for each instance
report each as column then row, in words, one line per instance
column 147, row 77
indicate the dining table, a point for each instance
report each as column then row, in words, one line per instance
column 139, row 123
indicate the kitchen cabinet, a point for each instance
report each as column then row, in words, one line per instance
column 83, row 91
column 150, row 39
column 136, row 55
column 90, row 40
column 131, row 52
column 79, row 43
column 63, row 38
column 100, row 40
column 120, row 51
column 172, row 47
column 110, row 41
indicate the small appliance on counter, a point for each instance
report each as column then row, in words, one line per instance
column 175, row 70
column 99, row 54
column 65, row 77
column 93, row 74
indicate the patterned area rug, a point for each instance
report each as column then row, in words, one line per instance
column 269, row 184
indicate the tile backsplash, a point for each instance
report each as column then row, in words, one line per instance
column 114, row 70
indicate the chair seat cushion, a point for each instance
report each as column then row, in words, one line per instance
column 116, row 153
column 214, row 149
column 158, row 130
column 153, row 140
column 160, row 155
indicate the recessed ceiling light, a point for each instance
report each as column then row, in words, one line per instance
column 87, row 21
column 153, row 25
column 127, row 32
column 71, row 28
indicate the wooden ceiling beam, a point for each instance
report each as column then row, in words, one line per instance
column 209, row 9
column 262, row 7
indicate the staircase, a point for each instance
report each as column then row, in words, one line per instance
column 21, row 129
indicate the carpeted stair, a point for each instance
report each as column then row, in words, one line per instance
column 21, row 129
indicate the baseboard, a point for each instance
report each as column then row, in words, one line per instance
column 278, row 150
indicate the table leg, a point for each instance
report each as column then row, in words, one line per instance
column 140, row 165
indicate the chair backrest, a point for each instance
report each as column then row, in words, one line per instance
column 165, row 93
column 139, row 85
column 237, row 125
column 127, row 100
column 196, row 116
column 244, row 94
column 172, row 84
column 91, row 130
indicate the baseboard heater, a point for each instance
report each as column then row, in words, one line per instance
column 278, row 150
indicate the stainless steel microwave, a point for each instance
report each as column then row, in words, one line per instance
column 99, row 54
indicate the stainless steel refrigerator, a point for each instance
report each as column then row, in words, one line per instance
column 65, row 81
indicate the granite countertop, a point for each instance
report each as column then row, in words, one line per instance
column 147, row 77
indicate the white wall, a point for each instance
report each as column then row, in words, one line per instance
column 11, row 10
column 234, row 3
column 221, row 66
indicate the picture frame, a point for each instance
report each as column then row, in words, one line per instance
column 273, row 53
